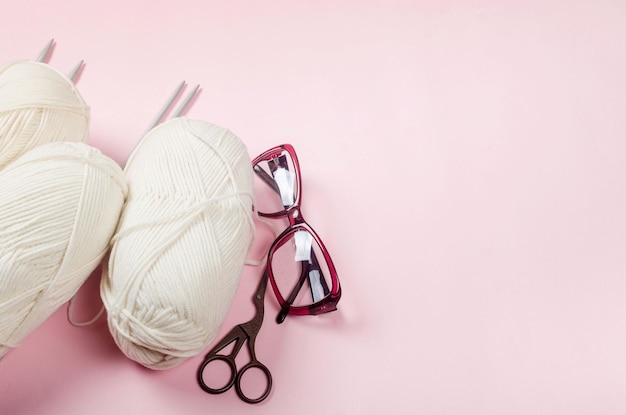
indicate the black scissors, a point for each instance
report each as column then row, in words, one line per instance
column 239, row 334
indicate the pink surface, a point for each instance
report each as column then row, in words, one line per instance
column 465, row 163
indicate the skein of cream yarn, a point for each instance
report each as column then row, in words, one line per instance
column 181, row 243
column 38, row 104
column 60, row 204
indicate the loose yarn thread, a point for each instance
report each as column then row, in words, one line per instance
column 60, row 205
column 181, row 242
column 38, row 104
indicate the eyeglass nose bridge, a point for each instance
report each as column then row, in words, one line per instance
column 294, row 215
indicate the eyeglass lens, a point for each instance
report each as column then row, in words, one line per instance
column 300, row 270
column 275, row 184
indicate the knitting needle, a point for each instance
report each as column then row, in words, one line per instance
column 163, row 111
column 166, row 107
column 183, row 106
column 169, row 103
column 44, row 53
column 74, row 72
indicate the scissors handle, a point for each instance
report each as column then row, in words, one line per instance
column 236, row 378
column 233, row 373
column 255, row 364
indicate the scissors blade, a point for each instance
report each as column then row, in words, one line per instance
column 252, row 327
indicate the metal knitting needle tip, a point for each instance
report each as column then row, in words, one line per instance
column 166, row 107
column 183, row 106
column 74, row 72
column 46, row 50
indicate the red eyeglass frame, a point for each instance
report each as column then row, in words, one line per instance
column 296, row 222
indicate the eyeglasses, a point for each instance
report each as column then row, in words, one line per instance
column 297, row 258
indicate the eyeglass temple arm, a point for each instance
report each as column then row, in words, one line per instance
column 305, row 273
column 292, row 296
column 314, row 265
column 266, row 178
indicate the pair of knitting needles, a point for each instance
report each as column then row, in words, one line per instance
column 45, row 54
column 182, row 108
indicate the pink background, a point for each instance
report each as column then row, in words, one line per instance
column 465, row 163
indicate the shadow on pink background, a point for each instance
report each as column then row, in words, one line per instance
column 464, row 162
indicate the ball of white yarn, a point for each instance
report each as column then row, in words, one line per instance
column 59, row 204
column 38, row 105
column 181, row 242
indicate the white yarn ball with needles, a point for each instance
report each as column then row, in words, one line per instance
column 181, row 243
column 60, row 204
column 38, row 104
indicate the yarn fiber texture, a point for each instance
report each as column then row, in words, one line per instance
column 60, row 205
column 38, row 104
column 181, row 243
